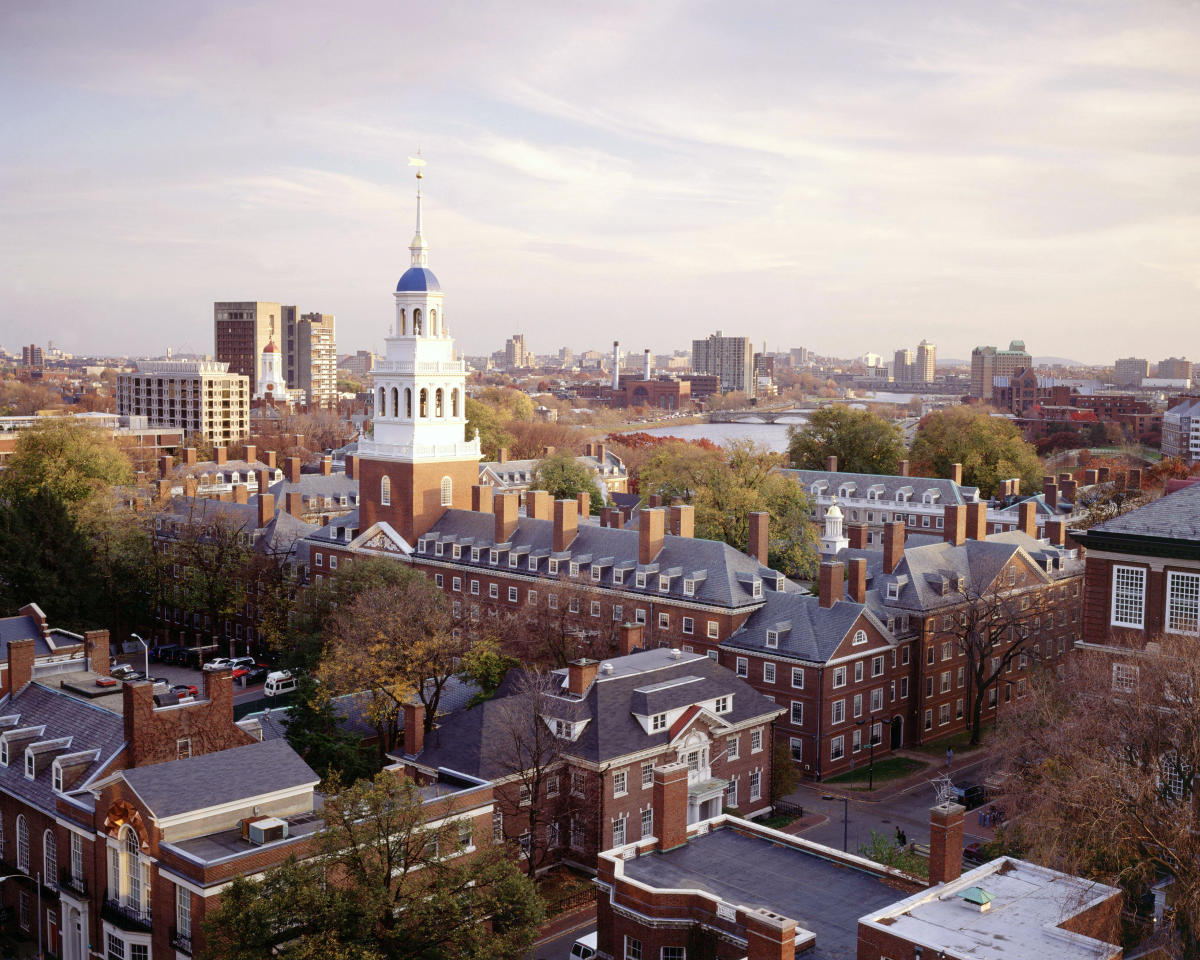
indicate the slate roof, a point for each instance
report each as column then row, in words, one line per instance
column 948, row 491
column 728, row 573
column 212, row 468
column 282, row 531
column 523, row 471
column 27, row 628
column 88, row 726
column 1012, row 511
column 807, row 631
column 466, row 741
column 334, row 485
column 1175, row 516
column 330, row 533
column 241, row 773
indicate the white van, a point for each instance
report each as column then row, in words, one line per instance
column 278, row 682
column 584, row 948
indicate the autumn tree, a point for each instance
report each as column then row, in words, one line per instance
column 554, row 631
column 71, row 461
column 862, row 441
column 1101, row 777
column 565, row 478
column 990, row 449
column 212, row 551
column 382, row 885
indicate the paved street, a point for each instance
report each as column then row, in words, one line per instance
column 558, row 947
column 173, row 673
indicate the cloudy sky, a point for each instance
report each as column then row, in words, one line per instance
column 845, row 176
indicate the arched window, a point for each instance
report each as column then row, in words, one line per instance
column 433, row 327
column 438, row 409
column 424, row 402
column 454, row 402
column 22, row 844
column 381, row 406
column 403, row 324
column 395, row 402
column 49, row 856
column 417, row 322
column 447, row 491
column 407, row 403
column 385, row 491
column 128, row 860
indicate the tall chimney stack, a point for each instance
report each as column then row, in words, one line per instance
column 646, row 364
column 616, row 377
column 893, row 545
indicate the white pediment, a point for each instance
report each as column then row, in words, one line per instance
column 381, row 538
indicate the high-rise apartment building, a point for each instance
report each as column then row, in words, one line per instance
column 195, row 396
column 1174, row 368
column 926, row 362
column 242, row 330
column 314, row 369
column 516, row 354
column 987, row 363
column 359, row 364
column 32, row 357
column 902, row 365
column 1130, row 371
column 729, row 358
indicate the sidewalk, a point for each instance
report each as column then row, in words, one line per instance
column 936, row 767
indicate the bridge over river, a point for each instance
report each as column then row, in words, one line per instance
column 760, row 416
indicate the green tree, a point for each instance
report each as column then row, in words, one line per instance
column 990, row 449
column 784, row 775
column 313, row 732
column 564, row 477
column 71, row 461
column 382, row 884
column 862, row 441
column 489, row 423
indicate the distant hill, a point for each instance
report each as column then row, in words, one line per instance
column 1058, row 362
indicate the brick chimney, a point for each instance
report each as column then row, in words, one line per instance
column 651, row 526
column 1027, row 517
column 655, row 501
column 1016, row 486
column 893, row 545
column 165, row 462
column 1103, row 474
column 21, row 654
column 616, row 518
column 538, row 505
column 904, row 468
column 1119, row 482
column 266, row 509
column 263, row 479
column 1091, row 477
column 669, row 800
column 857, row 582
column 220, row 456
column 1050, row 492
column 580, row 674
column 1135, row 479
column 956, row 473
column 241, row 493
column 251, row 453
column 1070, row 489
column 292, row 469
column 945, row 842
column 270, row 459
column 759, row 545
column 769, row 936
column 164, row 489
column 189, row 456
column 98, row 650
column 566, row 524
column 414, row 728
column 977, row 521
column 190, row 486
column 137, row 711
column 506, row 516
column 601, row 452
column 502, row 455
column 294, row 503
column 954, row 530
column 831, row 582
column 1063, row 478
column 629, row 638
column 1056, row 532
column 326, row 466
column 481, row 497
column 583, row 504
column 683, row 520
column 856, row 534
column 831, row 464
column 351, row 463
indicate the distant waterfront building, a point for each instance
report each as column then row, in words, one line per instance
column 926, row 362
column 196, row 396
column 241, row 331
column 902, row 365
column 1174, row 368
column 987, row 363
column 729, row 358
column 516, row 354
column 1130, row 371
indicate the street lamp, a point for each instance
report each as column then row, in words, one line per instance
column 845, row 819
column 38, row 881
column 146, row 649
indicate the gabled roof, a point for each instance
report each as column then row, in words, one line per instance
column 1175, row 516
column 814, row 633
column 948, row 492
column 318, row 485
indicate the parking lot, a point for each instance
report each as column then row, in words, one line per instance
column 174, row 673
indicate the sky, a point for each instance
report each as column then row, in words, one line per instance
column 849, row 177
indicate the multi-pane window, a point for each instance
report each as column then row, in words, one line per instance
column 797, row 713
column 858, row 704
column 798, row 678
column 1124, row 677
column 838, row 711
column 837, row 748
column 755, row 785
column 1128, row 596
column 620, row 783
column 689, row 625
column 756, row 740
column 839, row 677
column 633, row 949
column 877, row 667
column 183, row 911
column 858, row 671
column 647, row 823
column 768, row 672
column 877, row 699
column 22, row 844
column 742, row 667
column 619, row 831
column 674, row 953
column 797, row 749
column 732, row 748
column 1183, row 602
column 647, row 775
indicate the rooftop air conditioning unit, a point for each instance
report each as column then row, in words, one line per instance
column 267, row 830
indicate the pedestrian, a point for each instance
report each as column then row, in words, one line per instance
column 949, row 755
column 899, row 838
column 903, row 838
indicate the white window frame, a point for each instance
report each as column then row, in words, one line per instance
column 1173, row 622
column 1125, row 580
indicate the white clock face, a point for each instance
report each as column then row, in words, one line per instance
column 270, row 386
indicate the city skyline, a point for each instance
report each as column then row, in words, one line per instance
column 814, row 176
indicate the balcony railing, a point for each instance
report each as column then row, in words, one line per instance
column 181, row 941
column 124, row 916
column 72, row 884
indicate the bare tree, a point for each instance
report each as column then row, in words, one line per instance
column 558, row 628
column 1102, row 777
column 540, row 794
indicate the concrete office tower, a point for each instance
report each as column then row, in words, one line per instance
column 310, row 355
column 516, row 353
column 1174, row 368
column 1130, row 371
column 195, row 396
column 241, row 331
column 616, row 364
column 902, row 366
column 729, row 358
column 987, row 363
column 926, row 362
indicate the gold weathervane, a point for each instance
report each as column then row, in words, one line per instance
column 418, row 161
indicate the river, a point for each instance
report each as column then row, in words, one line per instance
column 771, row 435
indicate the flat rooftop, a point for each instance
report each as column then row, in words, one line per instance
column 1022, row 920
column 229, row 843
column 754, row 872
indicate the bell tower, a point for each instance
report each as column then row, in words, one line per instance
column 418, row 462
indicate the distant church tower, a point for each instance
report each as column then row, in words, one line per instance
column 418, row 462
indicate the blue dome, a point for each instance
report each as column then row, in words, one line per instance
column 418, row 280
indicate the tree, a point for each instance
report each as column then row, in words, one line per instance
column 784, row 776
column 1100, row 777
column 313, row 732
column 71, row 461
column 733, row 400
column 489, row 423
column 213, row 554
column 861, row 441
column 382, row 884
column 551, row 636
column 990, row 449
column 564, row 477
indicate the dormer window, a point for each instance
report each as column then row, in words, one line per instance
column 640, row 579
column 4, row 753
column 514, row 560
column 689, row 587
column 456, row 552
column 58, row 779
column 493, row 556
column 721, row 705
column 552, row 567
column 772, row 638
column 658, row 722
column 756, row 589
column 618, row 577
column 664, row 584
column 438, row 548
column 532, row 565
column 475, row 554
column 893, row 591
column 596, row 574
column 30, row 765
column 574, row 568
column 422, row 546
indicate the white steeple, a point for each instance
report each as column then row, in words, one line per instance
column 419, row 249
column 270, row 375
column 833, row 542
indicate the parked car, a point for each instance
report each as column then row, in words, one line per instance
column 164, row 653
column 255, row 672
column 971, row 796
column 974, row 856
column 217, row 663
column 279, row 682
column 186, row 689
column 123, row 671
column 584, row 948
